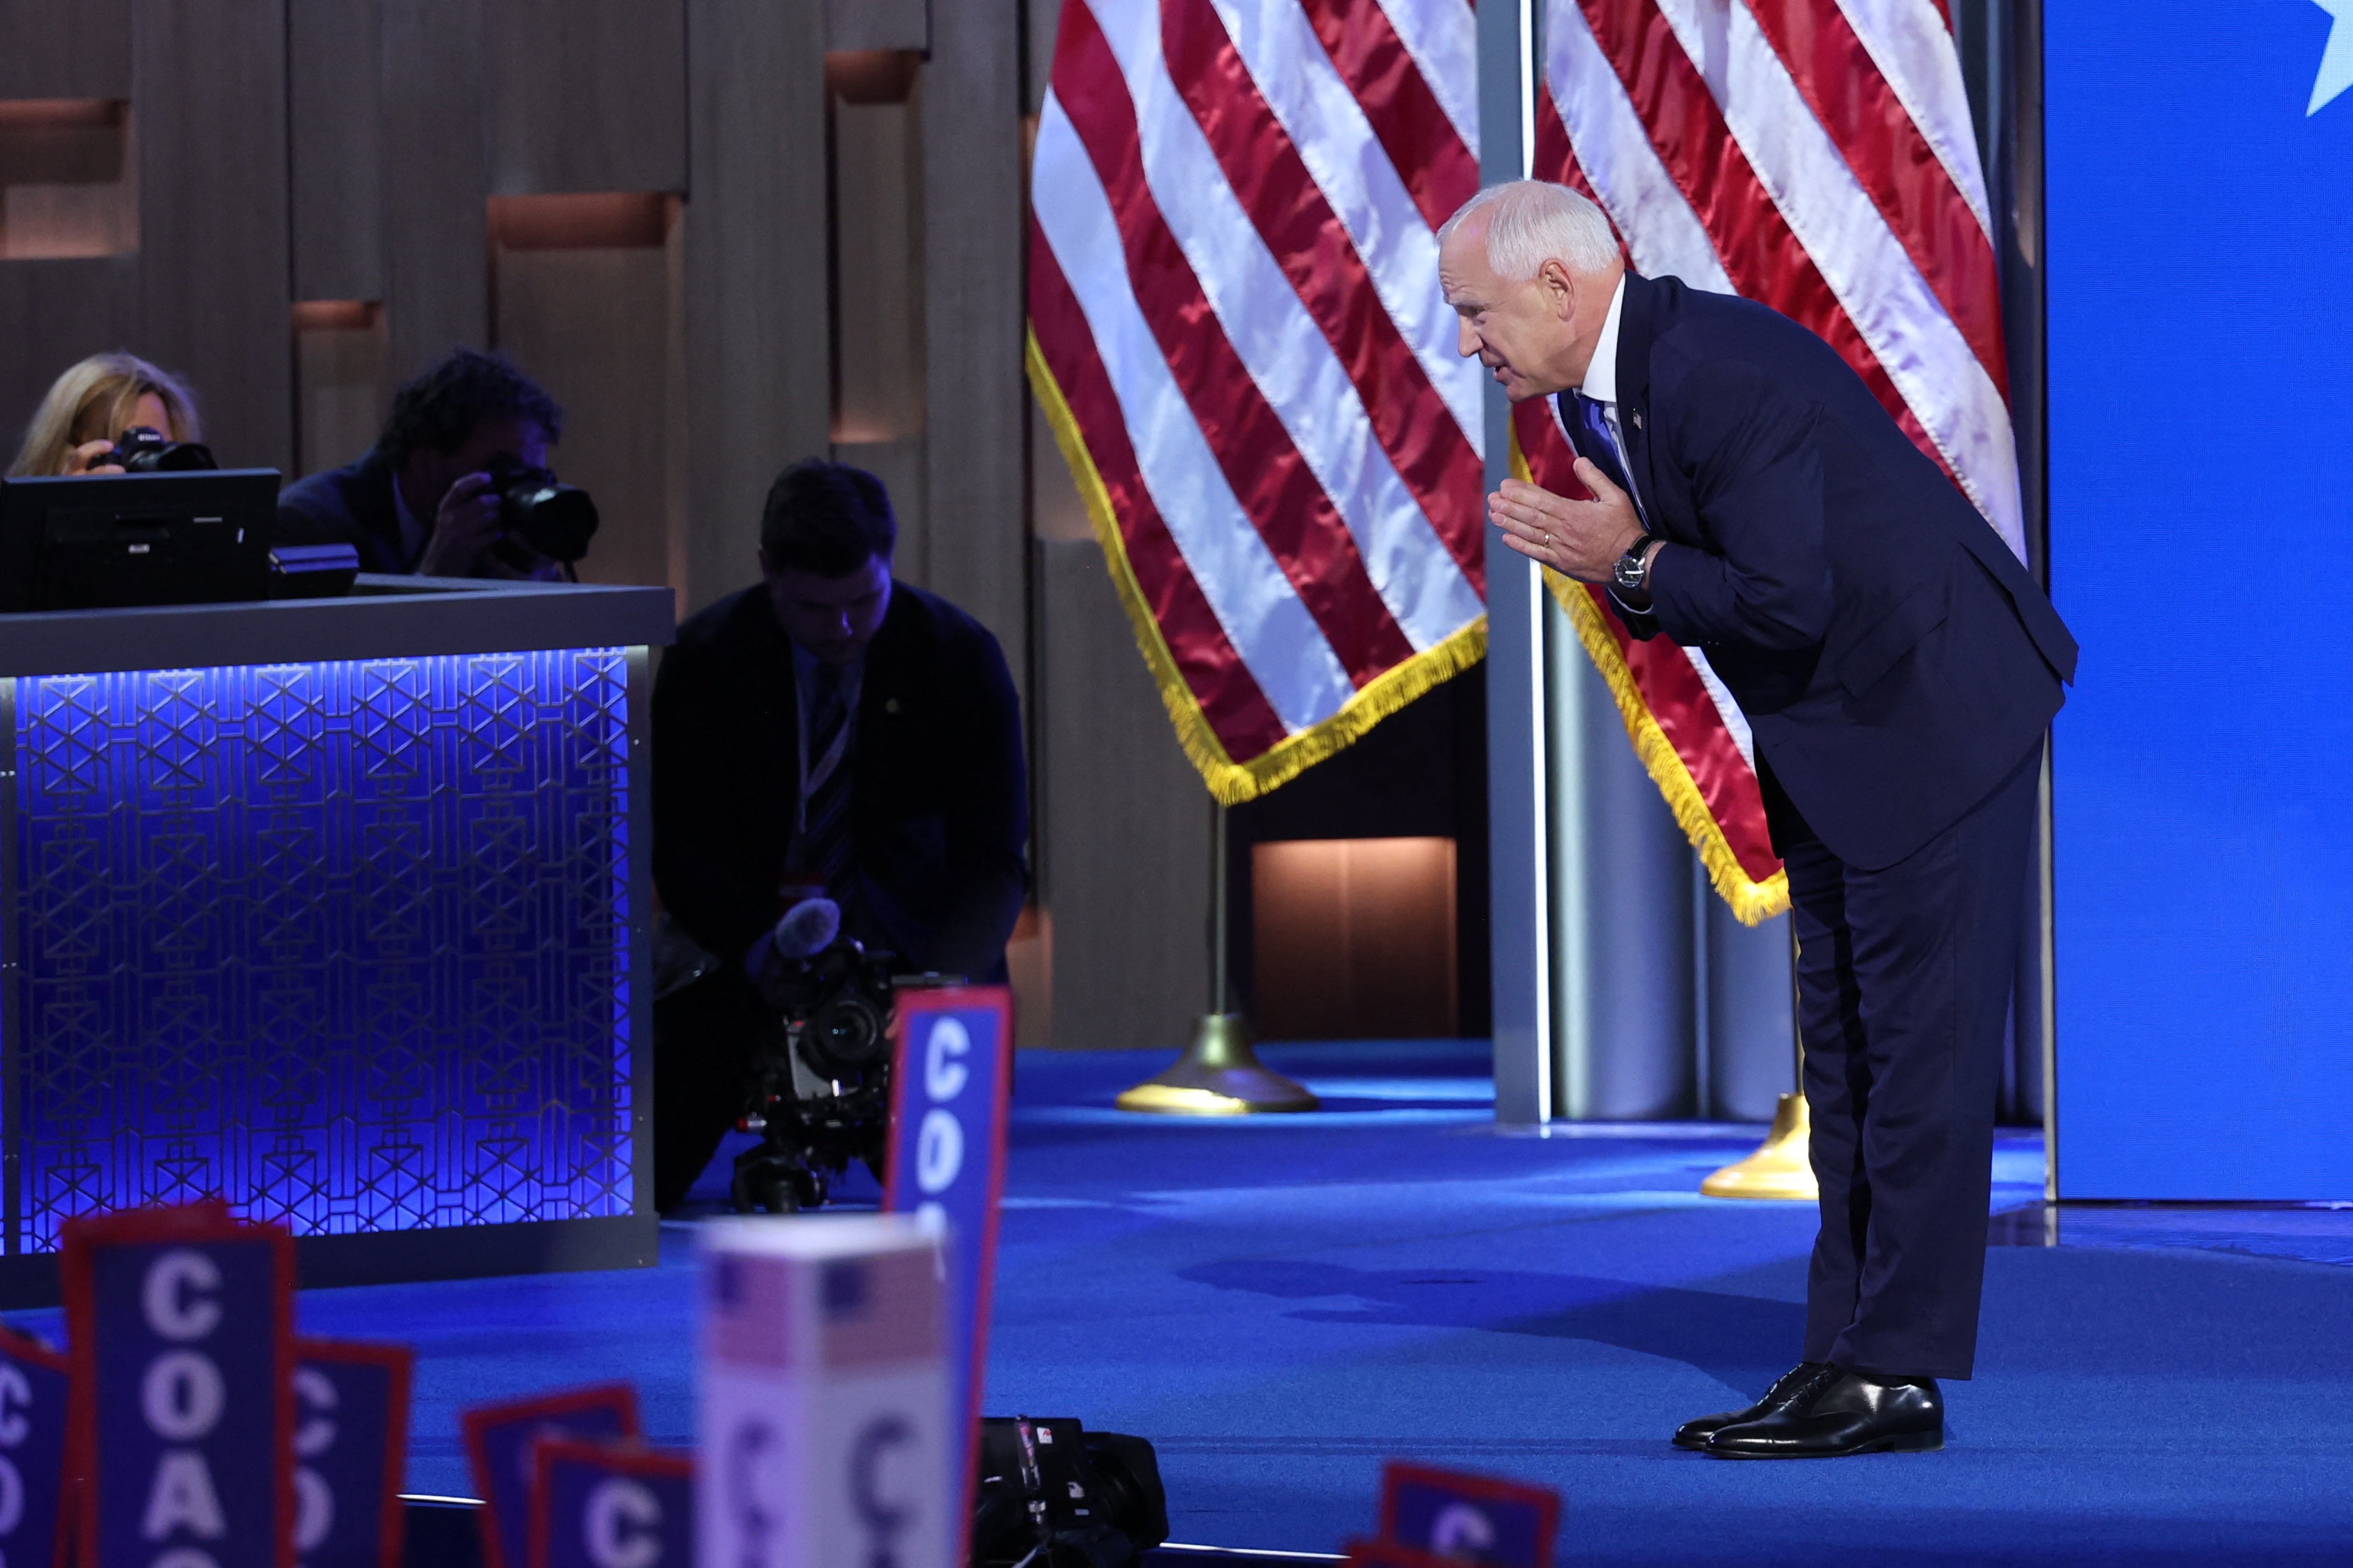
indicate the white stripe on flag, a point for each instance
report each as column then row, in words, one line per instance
column 1908, row 41
column 1269, row 626
column 1735, row 722
column 1866, row 267
column 1280, row 345
column 1650, row 209
column 1324, row 120
column 1442, row 36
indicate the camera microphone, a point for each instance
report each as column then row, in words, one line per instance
column 808, row 929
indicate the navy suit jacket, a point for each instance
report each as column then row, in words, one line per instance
column 351, row 505
column 939, row 803
column 1893, row 659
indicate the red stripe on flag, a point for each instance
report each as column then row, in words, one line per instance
column 1277, row 490
column 1761, row 255
column 1438, row 169
column 1893, row 164
column 1245, row 722
column 1312, row 246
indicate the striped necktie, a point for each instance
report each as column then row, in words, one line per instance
column 826, row 848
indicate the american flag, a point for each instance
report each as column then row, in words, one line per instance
column 1237, row 330
column 1816, row 155
column 1238, row 333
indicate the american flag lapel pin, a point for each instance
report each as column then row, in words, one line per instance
column 1637, row 419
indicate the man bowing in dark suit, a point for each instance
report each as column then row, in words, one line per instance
column 1897, row 667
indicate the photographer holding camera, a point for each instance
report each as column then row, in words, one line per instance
column 106, row 403
column 828, row 731
column 456, row 486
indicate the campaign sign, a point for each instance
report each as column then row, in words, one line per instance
column 33, row 1392
column 947, row 1164
column 1468, row 1519
column 823, row 1397
column 598, row 1505
column 181, row 1321
column 351, row 1441
column 498, row 1446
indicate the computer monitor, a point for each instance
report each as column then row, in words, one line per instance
column 196, row 538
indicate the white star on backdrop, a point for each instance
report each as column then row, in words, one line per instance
column 2336, row 60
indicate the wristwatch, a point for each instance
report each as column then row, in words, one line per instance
column 1631, row 574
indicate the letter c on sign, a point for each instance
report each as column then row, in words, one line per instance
column 939, row 1149
column 15, row 1398
column 622, row 1518
column 1460, row 1528
column 945, row 1075
column 178, row 1295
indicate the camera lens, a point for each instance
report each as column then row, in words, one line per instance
column 845, row 1038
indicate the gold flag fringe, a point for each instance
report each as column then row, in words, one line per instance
column 1231, row 782
column 1752, row 903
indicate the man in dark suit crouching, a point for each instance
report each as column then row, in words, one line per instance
column 1897, row 667
column 826, row 732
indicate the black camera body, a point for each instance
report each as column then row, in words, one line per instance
column 143, row 450
column 552, row 519
column 820, row 1095
column 1051, row 1494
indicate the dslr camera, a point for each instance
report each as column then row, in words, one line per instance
column 542, row 516
column 820, row 1092
column 143, row 450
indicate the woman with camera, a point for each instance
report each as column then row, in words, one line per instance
column 105, row 397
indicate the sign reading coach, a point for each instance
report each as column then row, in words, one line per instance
column 181, row 1323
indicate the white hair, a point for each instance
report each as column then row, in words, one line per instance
column 1531, row 222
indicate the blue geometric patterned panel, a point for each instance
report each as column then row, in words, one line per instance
column 346, row 943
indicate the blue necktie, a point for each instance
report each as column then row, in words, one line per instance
column 826, row 831
column 1604, row 445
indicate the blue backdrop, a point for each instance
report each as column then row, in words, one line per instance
column 2200, row 232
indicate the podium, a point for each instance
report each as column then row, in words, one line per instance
column 336, row 909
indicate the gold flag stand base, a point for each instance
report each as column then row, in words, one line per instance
column 1218, row 1076
column 1780, row 1168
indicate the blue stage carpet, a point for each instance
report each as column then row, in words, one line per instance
column 1281, row 1303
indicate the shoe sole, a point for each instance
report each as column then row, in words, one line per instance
column 1903, row 1443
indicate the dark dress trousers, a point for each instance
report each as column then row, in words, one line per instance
column 939, row 822
column 351, row 505
column 1898, row 668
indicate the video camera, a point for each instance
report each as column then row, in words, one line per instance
column 820, row 1094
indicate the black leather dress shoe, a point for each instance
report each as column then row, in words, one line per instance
column 1844, row 1412
column 1695, row 1433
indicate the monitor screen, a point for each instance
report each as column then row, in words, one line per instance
column 197, row 538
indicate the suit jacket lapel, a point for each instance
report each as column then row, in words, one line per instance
column 1636, row 331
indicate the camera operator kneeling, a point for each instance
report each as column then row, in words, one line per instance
column 457, row 485
column 827, row 733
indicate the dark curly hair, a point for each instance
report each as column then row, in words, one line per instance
column 825, row 518
column 438, row 410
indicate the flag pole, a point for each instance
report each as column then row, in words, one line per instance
column 1782, row 1167
column 1219, row 1074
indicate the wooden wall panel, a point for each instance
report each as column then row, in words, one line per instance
column 974, row 430
column 80, row 48
column 757, row 377
column 334, row 51
column 435, row 183
column 53, row 313
column 593, row 328
column 209, row 100
column 587, row 95
column 877, row 25
column 1125, row 823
